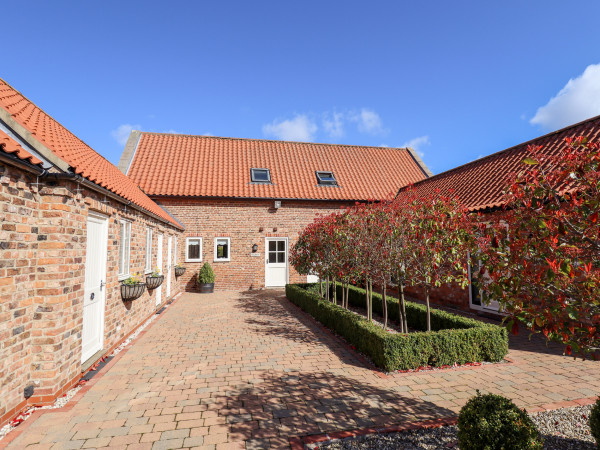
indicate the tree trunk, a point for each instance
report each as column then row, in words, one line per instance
column 385, row 309
column 334, row 282
column 428, row 310
column 320, row 287
column 327, row 288
column 403, row 307
column 347, row 295
column 370, row 304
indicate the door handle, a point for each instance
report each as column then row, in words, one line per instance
column 102, row 284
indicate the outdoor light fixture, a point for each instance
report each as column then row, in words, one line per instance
column 274, row 229
column 254, row 248
column 277, row 204
column 260, row 229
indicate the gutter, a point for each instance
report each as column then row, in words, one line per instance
column 21, row 164
column 72, row 176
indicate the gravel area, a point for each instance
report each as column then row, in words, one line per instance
column 562, row 429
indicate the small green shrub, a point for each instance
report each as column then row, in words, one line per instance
column 595, row 421
column 206, row 274
column 466, row 340
column 493, row 422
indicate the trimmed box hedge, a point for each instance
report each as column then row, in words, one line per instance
column 454, row 339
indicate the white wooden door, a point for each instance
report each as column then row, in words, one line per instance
column 159, row 264
column 92, row 334
column 276, row 267
column 169, row 257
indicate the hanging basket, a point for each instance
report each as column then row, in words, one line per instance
column 179, row 271
column 132, row 291
column 154, row 282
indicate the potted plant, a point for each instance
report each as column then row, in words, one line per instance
column 206, row 279
column 132, row 287
column 179, row 270
column 154, row 279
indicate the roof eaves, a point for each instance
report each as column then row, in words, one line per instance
column 28, row 137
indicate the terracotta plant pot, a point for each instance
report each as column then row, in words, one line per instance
column 132, row 291
column 154, row 282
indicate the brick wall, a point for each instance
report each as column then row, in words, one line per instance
column 42, row 268
column 241, row 221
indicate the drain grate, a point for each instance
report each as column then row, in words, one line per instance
column 97, row 368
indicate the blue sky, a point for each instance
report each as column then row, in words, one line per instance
column 457, row 80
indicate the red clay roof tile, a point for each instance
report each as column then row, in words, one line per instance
column 82, row 158
column 9, row 145
column 479, row 184
column 208, row 166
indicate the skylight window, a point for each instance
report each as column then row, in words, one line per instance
column 260, row 175
column 326, row 178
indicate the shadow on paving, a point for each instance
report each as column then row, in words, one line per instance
column 300, row 404
column 279, row 317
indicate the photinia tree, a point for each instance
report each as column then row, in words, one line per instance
column 542, row 254
column 439, row 239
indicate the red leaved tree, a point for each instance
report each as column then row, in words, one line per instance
column 543, row 253
column 439, row 239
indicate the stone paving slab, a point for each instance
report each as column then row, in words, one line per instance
column 250, row 370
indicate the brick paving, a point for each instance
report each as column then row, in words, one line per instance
column 250, row 370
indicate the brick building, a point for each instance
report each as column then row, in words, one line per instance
column 479, row 185
column 243, row 202
column 71, row 227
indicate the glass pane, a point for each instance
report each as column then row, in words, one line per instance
column 281, row 246
column 194, row 250
column 272, row 246
column 281, row 257
column 272, row 257
column 222, row 249
column 260, row 175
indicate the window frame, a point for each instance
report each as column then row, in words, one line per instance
column 187, row 248
column 228, row 239
column 254, row 180
column 320, row 178
column 148, row 261
column 124, row 265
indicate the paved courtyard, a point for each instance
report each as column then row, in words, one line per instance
column 250, row 370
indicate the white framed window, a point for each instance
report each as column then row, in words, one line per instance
column 193, row 249
column 222, row 248
column 124, row 248
column 148, row 265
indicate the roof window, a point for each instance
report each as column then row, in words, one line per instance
column 260, row 175
column 326, row 178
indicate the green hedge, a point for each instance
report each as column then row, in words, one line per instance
column 456, row 339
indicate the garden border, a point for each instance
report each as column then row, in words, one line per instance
column 302, row 442
column 470, row 341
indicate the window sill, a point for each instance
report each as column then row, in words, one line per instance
column 193, row 260
column 222, row 260
column 123, row 277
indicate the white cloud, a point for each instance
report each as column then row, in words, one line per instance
column 577, row 101
column 333, row 123
column 368, row 121
column 417, row 144
column 122, row 132
column 300, row 128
